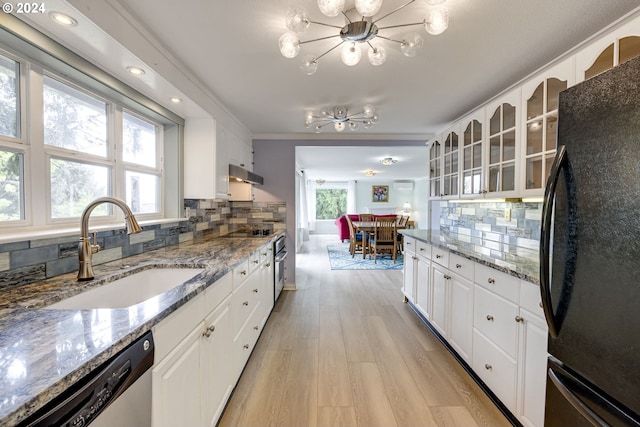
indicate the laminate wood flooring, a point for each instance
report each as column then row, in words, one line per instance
column 344, row 350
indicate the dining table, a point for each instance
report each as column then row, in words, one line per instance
column 366, row 228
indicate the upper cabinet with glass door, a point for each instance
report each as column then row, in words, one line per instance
column 617, row 47
column 451, row 164
column 435, row 160
column 471, row 128
column 540, row 121
column 503, row 135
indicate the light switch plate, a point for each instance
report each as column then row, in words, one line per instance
column 507, row 214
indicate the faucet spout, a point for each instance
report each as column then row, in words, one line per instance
column 85, row 248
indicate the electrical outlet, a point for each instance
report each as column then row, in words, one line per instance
column 458, row 211
column 507, row 214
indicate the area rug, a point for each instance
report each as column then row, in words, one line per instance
column 340, row 259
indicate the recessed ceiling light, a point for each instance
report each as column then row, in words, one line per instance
column 63, row 19
column 175, row 100
column 136, row 71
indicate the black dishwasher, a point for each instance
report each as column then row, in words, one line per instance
column 81, row 404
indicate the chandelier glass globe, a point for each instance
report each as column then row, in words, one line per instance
column 331, row 8
column 368, row 8
column 410, row 44
column 368, row 111
column 377, row 55
column 309, row 65
column 339, row 126
column 351, row 53
column 289, row 45
column 437, row 22
column 297, row 20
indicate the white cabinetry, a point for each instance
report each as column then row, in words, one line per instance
column 417, row 275
column 189, row 387
column 202, row 348
column 201, row 152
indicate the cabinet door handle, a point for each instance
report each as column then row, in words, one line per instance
column 255, row 291
column 488, row 367
column 255, row 261
column 491, row 281
column 489, row 318
column 246, row 346
column 267, row 265
column 458, row 265
column 438, row 256
column 519, row 319
column 263, row 254
column 207, row 332
column 447, row 277
column 255, row 328
column 421, row 249
column 245, row 303
column 243, row 272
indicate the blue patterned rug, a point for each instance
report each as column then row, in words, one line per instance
column 340, row 259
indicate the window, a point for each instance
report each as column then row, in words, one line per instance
column 11, row 188
column 331, row 203
column 80, row 146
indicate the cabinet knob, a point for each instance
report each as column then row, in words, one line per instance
column 414, row 257
column 243, row 272
column 255, row 291
column 255, row 328
column 519, row 319
column 421, row 249
column 263, row 254
column 488, row 367
column 489, row 318
column 246, row 303
column 491, row 281
column 458, row 265
column 447, row 277
column 438, row 256
column 267, row 265
column 246, row 346
column 255, row 261
column 207, row 332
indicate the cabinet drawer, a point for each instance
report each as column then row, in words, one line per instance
column 530, row 298
column 247, row 338
column 172, row 330
column 495, row 317
column 254, row 260
column 495, row 368
column 439, row 255
column 462, row 266
column 266, row 253
column 423, row 249
column 244, row 301
column 240, row 273
column 496, row 281
column 409, row 244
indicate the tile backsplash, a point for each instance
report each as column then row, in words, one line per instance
column 38, row 259
column 513, row 223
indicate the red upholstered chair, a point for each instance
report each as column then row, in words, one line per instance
column 343, row 227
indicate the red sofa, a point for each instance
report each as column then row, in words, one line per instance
column 343, row 227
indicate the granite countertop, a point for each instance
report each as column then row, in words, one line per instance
column 517, row 261
column 43, row 351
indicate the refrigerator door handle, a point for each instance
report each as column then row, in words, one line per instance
column 587, row 413
column 545, row 241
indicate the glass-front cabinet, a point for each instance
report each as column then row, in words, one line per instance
column 503, row 148
column 435, row 178
column 472, row 154
column 540, row 120
column 451, row 164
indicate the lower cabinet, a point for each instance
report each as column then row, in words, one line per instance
column 493, row 320
column 202, row 348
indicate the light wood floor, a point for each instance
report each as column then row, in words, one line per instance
column 343, row 350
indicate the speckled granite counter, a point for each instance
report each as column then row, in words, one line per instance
column 43, row 351
column 514, row 260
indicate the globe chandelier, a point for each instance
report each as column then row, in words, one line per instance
column 341, row 119
column 357, row 31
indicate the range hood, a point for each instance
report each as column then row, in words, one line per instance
column 244, row 175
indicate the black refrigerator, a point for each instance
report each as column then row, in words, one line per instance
column 590, row 254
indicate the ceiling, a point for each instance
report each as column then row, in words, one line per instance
column 224, row 54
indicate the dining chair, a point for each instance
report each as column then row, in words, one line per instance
column 402, row 223
column 384, row 238
column 366, row 217
column 356, row 242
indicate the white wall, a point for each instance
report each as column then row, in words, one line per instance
column 397, row 198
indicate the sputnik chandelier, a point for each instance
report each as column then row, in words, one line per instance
column 341, row 118
column 357, row 31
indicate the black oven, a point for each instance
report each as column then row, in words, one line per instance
column 280, row 255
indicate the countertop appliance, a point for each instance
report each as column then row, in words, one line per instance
column 590, row 254
column 280, row 255
column 118, row 393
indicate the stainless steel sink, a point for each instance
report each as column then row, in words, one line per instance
column 129, row 290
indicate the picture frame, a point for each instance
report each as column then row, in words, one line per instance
column 380, row 193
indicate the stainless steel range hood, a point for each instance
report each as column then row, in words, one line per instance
column 244, row 175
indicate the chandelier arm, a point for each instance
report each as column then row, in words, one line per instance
column 391, row 40
column 394, row 11
column 320, row 56
column 346, row 17
column 401, row 25
column 326, row 25
column 320, row 38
